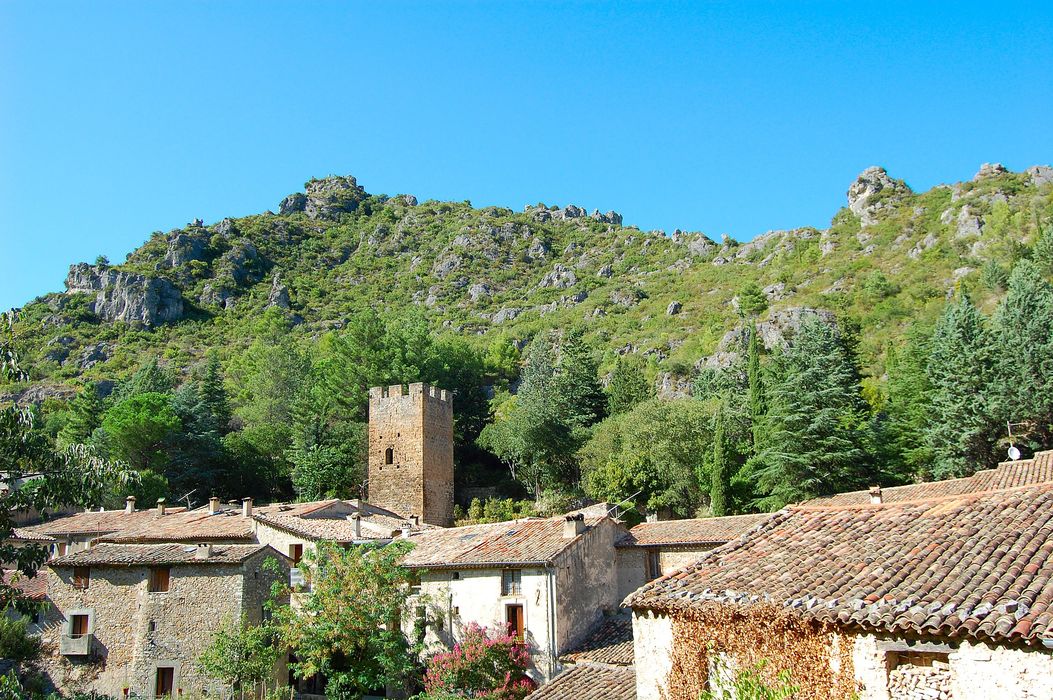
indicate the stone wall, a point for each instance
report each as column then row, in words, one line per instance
column 631, row 565
column 586, row 583
column 652, row 653
column 672, row 558
column 417, row 428
column 136, row 631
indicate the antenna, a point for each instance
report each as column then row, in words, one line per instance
column 1014, row 451
column 187, row 497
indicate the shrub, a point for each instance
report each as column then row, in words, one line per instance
column 484, row 664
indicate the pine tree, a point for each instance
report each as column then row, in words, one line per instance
column 85, row 415
column 960, row 429
column 756, row 387
column 150, row 378
column 720, row 475
column 578, row 381
column 628, row 386
column 908, row 406
column 1022, row 390
column 214, row 395
column 814, row 430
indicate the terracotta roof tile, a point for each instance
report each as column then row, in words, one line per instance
column 977, row 565
column 693, row 531
column 534, row 541
column 609, row 642
column 157, row 554
column 98, row 522
column 328, row 520
column 186, row 526
column 35, row 588
column 589, row 681
column 1037, row 470
column 27, row 535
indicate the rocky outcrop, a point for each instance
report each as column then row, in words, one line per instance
column 241, row 264
column 559, row 278
column 126, row 296
column 990, row 170
column 674, row 308
column 774, row 333
column 326, row 198
column 185, row 247
column 279, row 296
column 611, row 217
column 1040, row 175
column 874, row 193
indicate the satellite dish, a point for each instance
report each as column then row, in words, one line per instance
column 1014, row 452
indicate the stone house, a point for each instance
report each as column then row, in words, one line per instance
column 132, row 619
column 549, row 580
column 944, row 597
column 655, row 549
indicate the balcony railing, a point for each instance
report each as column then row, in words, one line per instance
column 75, row 645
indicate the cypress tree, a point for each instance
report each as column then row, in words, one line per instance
column 719, row 477
column 815, row 426
column 756, row 387
column 960, row 430
column 1023, row 327
column 214, row 395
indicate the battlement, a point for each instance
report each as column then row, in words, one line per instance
column 417, row 389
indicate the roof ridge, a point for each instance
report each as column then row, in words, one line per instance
column 805, row 507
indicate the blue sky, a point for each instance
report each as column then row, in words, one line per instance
column 121, row 118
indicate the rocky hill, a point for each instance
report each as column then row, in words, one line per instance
column 890, row 256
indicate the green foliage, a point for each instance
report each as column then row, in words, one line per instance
column 720, row 472
column 750, row 684
column 755, row 381
column 814, row 428
column 347, row 627
column 484, row 665
column 752, row 300
column 16, row 643
column 138, row 427
column 85, row 415
column 241, row 655
column 628, row 386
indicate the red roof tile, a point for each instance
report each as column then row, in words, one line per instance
column 98, row 522
column 609, row 642
column 35, row 588
column 977, row 565
column 589, row 681
column 534, row 541
column 693, row 531
column 158, row 554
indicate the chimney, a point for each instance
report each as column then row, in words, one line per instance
column 213, row 505
column 246, row 507
column 160, row 506
column 356, row 520
column 129, row 505
column 573, row 525
column 875, row 494
column 414, row 520
column 203, row 551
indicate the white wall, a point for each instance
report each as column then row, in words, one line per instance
column 652, row 653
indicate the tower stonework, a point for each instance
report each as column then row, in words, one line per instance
column 411, row 451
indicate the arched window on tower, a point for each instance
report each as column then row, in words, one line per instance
column 389, row 456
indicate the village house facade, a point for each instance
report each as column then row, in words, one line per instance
column 945, row 597
column 133, row 619
column 549, row 580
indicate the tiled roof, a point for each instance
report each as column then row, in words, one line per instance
column 98, row 522
column 609, row 642
column 328, row 520
column 694, row 531
column 977, row 565
column 187, row 526
column 35, row 588
column 26, row 535
column 589, row 681
column 536, row 541
column 1037, row 470
column 157, row 554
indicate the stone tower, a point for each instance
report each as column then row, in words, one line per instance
column 411, row 451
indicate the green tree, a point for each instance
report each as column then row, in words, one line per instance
column 1042, row 250
column 755, row 380
column 214, row 395
column 814, row 429
column 150, row 378
column 628, row 386
column 908, row 405
column 241, row 655
column 752, row 300
column 720, row 473
column 137, row 429
column 484, row 664
column 1022, row 388
column 85, row 416
column 347, row 627
column 960, row 430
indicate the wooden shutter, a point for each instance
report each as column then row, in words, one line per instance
column 165, row 681
column 514, row 617
column 159, row 579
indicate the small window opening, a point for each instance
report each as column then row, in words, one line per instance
column 456, row 576
column 296, row 553
column 153, row 626
column 160, row 576
column 511, row 582
column 389, row 456
column 81, row 574
column 78, row 626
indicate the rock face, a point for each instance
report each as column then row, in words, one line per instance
column 863, row 197
column 185, row 247
column 279, row 296
column 125, row 296
column 990, row 170
column 773, row 333
column 1040, row 175
column 559, row 278
column 325, row 198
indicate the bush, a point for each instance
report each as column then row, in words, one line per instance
column 483, row 664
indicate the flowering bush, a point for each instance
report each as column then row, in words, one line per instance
column 484, row 664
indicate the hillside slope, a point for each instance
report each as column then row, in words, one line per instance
column 891, row 255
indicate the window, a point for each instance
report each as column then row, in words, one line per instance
column 159, row 579
column 165, row 682
column 654, row 564
column 296, row 553
column 78, row 626
column 80, row 577
column 514, row 618
column 60, row 549
column 152, row 626
column 414, row 582
column 389, row 456
column 511, row 582
column 456, row 576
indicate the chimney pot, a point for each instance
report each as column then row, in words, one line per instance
column 129, row 504
column 356, row 520
column 160, row 506
column 213, row 505
column 573, row 525
column 414, row 520
column 246, row 507
column 203, row 551
column 875, row 494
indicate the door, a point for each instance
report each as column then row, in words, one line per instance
column 165, row 682
column 514, row 618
